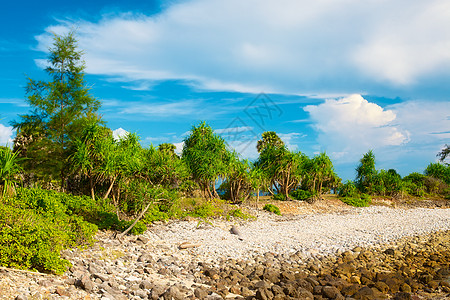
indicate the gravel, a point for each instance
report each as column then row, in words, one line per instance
column 310, row 235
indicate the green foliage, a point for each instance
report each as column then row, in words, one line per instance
column 302, row 195
column 36, row 225
column 206, row 156
column 366, row 173
column 279, row 197
column 362, row 201
column 9, row 169
column 414, row 184
column 238, row 213
column 205, row 210
column 348, row 189
column 59, row 107
column 269, row 138
column 238, row 183
column 439, row 171
column 272, row 208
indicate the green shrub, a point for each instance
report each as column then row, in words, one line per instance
column 238, row 213
column 32, row 239
column 348, row 190
column 301, row 195
column 272, row 208
column 204, row 210
column 279, row 196
column 362, row 201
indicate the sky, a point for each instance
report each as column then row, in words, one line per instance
column 340, row 76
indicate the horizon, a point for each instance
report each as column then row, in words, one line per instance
column 301, row 69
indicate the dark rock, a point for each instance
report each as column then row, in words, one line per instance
column 304, row 294
column 245, row 292
column 402, row 296
column 330, row 292
column 389, row 251
column 277, row 290
column 264, row 294
column 382, row 287
column 351, row 289
column 364, row 293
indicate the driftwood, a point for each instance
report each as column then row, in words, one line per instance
column 118, row 236
column 187, row 245
column 23, row 271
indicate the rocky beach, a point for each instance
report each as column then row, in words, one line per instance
column 377, row 252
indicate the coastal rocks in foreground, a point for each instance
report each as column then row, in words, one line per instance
column 411, row 268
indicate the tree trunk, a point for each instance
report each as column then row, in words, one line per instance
column 91, row 183
column 110, row 188
column 135, row 221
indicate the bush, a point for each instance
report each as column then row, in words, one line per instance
column 301, row 195
column 33, row 239
column 237, row 213
column 279, row 196
column 362, row 201
column 204, row 210
column 272, row 208
column 349, row 190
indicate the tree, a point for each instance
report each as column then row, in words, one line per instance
column 238, row 183
column 206, row 156
column 59, row 107
column 269, row 138
column 445, row 152
column 284, row 169
column 9, row 168
column 366, row 173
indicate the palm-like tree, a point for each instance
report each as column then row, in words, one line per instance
column 9, row 168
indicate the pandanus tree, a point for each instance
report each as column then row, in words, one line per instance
column 9, row 169
column 284, row 169
column 206, row 156
column 239, row 180
column 366, row 173
column 321, row 173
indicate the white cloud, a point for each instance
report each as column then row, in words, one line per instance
column 350, row 126
column 179, row 148
column 119, row 133
column 290, row 46
column 6, row 134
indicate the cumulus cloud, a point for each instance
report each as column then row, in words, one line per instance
column 272, row 46
column 352, row 125
column 119, row 133
column 6, row 134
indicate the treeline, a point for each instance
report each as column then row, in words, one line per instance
column 434, row 181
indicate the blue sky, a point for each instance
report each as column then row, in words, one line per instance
column 341, row 76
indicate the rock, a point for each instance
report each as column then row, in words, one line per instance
column 157, row 291
column 236, row 231
column 364, row 293
column 187, row 245
column 402, row 296
column 264, row 294
column 145, row 285
column 330, row 292
column 62, row 291
column 86, row 283
column 381, row 286
column 304, row 294
column 200, row 293
column 173, row 293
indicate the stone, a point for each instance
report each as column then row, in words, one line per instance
column 330, row 292
column 381, row 286
column 402, row 296
column 363, row 293
column 145, row 285
column 86, row 284
column 157, row 291
column 173, row 293
column 264, row 294
column 62, row 291
column 200, row 293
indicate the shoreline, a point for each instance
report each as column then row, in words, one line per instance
column 141, row 267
